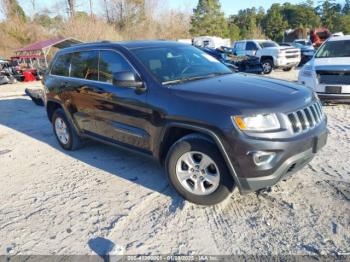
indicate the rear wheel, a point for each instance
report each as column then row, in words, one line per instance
column 267, row 65
column 197, row 171
column 65, row 133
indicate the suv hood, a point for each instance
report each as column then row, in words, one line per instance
column 246, row 92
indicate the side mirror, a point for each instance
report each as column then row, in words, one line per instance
column 127, row 79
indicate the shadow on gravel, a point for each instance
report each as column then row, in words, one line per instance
column 22, row 115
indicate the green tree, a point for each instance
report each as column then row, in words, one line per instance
column 207, row 19
column 346, row 8
column 275, row 24
column 330, row 12
column 300, row 16
column 246, row 20
column 234, row 31
column 345, row 24
column 13, row 10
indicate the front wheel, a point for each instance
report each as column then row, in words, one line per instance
column 196, row 170
column 287, row 69
column 267, row 66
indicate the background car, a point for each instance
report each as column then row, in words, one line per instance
column 306, row 48
column 247, row 64
column 271, row 54
column 328, row 73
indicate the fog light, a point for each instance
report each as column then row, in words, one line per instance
column 262, row 158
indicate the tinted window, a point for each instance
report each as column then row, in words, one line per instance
column 251, row 46
column 85, row 65
column 110, row 63
column 61, row 66
column 178, row 63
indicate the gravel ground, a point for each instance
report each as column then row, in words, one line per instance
column 84, row 202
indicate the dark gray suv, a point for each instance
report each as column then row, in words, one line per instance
column 212, row 129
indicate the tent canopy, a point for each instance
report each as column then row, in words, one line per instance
column 40, row 50
column 56, row 42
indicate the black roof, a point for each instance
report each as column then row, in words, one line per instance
column 127, row 45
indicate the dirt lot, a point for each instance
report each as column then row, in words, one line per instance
column 83, row 202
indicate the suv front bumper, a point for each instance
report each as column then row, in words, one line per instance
column 291, row 156
column 283, row 62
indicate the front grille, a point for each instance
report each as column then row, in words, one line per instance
column 307, row 118
column 292, row 56
column 292, row 51
column 333, row 77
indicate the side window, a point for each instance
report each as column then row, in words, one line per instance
column 85, row 65
column 240, row 46
column 251, row 46
column 61, row 65
column 110, row 63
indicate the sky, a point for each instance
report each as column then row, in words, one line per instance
column 228, row 6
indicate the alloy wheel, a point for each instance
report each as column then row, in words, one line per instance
column 198, row 173
column 61, row 131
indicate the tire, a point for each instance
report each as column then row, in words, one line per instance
column 287, row 69
column 267, row 65
column 72, row 141
column 194, row 145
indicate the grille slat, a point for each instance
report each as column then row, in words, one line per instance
column 314, row 111
column 311, row 117
column 318, row 112
column 333, row 77
column 306, row 118
column 307, row 124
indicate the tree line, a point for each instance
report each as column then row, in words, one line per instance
column 116, row 20
column 154, row 19
column 209, row 19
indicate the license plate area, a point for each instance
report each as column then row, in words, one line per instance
column 333, row 89
column 320, row 142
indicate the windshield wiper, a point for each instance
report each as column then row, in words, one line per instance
column 188, row 79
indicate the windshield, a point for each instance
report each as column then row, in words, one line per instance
column 334, row 49
column 169, row 64
column 268, row 44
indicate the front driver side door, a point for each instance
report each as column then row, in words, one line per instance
column 119, row 114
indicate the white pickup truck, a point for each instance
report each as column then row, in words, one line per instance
column 270, row 53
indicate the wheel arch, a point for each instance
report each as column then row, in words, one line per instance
column 267, row 57
column 182, row 130
column 51, row 107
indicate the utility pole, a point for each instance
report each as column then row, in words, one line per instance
column 90, row 2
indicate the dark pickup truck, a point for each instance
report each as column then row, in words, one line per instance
column 212, row 129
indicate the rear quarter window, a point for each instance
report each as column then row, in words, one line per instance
column 61, row 65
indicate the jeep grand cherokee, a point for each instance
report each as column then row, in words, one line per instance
column 213, row 130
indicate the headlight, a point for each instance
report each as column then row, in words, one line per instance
column 307, row 71
column 257, row 123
